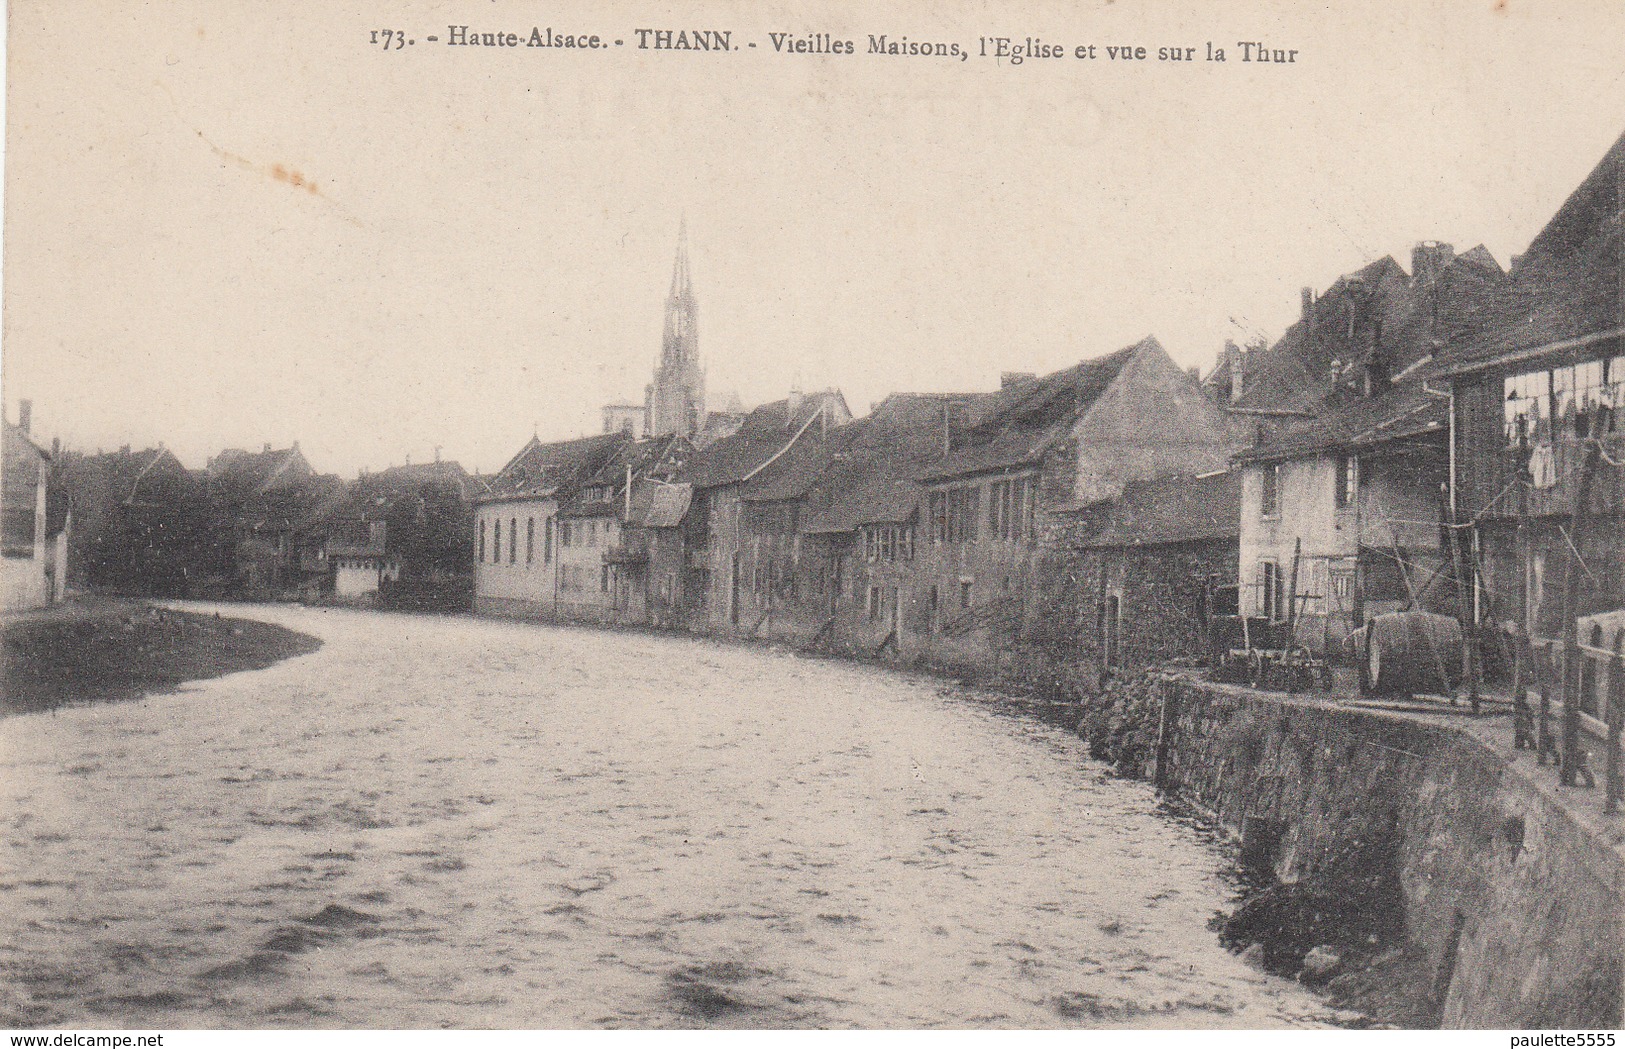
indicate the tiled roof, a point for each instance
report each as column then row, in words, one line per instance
column 1404, row 412
column 16, row 437
column 1377, row 315
column 1172, row 510
column 246, row 473
column 541, row 470
column 658, row 505
column 766, row 432
column 1567, row 285
column 873, row 462
column 1030, row 416
column 439, row 472
column 123, row 471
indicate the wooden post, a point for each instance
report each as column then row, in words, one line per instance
column 1543, row 731
column 1464, row 605
column 1579, row 510
column 1523, row 719
column 1292, row 592
column 1616, row 716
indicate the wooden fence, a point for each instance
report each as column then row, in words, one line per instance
column 1598, row 684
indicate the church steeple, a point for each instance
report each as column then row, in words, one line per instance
column 676, row 401
column 681, row 341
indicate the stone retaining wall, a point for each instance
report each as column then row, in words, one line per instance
column 1519, row 908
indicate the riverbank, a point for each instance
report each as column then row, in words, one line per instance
column 1403, row 862
column 102, row 650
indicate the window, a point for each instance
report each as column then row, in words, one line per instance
column 564, row 533
column 530, row 540
column 888, row 542
column 1528, row 408
column 592, row 533
column 964, row 593
column 482, row 539
column 603, row 580
column 513, row 540
column 873, row 606
column 547, row 541
column 1270, row 502
column 1562, row 402
column 496, row 544
column 1010, row 509
column 1269, row 590
column 954, row 515
column 1348, row 482
column 933, row 599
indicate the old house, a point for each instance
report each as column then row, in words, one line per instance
column 860, row 524
column 33, row 546
column 1129, row 582
column 602, row 555
column 1538, row 397
column 1345, row 480
column 402, row 538
column 517, row 533
column 139, row 521
column 1348, row 507
column 1049, row 444
column 1369, row 330
column 747, row 489
column 260, row 506
column 654, row 553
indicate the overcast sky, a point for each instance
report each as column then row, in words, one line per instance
column 489, row 240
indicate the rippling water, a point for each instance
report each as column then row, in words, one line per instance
column 452, row 822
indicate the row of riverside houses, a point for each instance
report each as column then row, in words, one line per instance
column 266, row 526
column 1416, row 439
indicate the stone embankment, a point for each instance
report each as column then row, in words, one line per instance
column 1400, row 862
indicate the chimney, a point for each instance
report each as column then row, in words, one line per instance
column 1195, row 372
column 1236, row 361
column 267, row 446
column 1009, row 379
column 437, row 453
column 1428, row 260
column 955, row 418
column 124, row 449
column 25, row 415
column 792, row 405
column 1307, row 296
column 56, row 447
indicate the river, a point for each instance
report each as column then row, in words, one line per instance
column 455, row 822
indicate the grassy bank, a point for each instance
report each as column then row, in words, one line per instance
column 99, row 651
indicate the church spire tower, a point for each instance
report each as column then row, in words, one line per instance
column 676, row 399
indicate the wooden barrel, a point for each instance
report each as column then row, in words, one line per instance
column 1405, row 653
